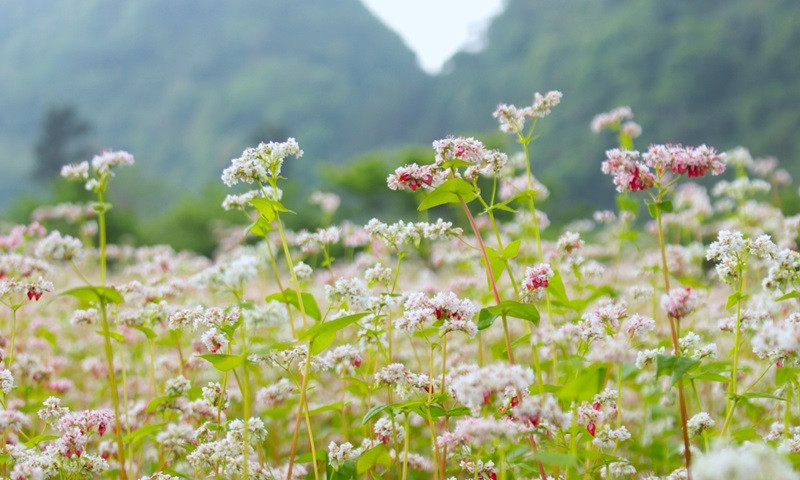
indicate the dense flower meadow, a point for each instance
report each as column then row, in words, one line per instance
column 660, row 340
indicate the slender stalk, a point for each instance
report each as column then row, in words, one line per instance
column 730, row 404
column 304, row 384
column 112, row 379
column 676, row 349
column 489, row 273
column 405, row 447
column 13, row 334
column 245, row 402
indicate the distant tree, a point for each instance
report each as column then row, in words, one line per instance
column 62, row 140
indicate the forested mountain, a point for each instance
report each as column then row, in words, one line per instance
column 187, row 84
column 722, row 72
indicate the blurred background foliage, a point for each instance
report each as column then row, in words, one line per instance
column 186, row 85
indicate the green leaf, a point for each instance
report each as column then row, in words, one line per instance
column 336, row 406
column 585, row 385
column 786, row 375
column 555, row 458
column 224, row 362
column 733, row 299
column 32, row 442
column 101, row 207
column 95, row 294
column 374, row 456
column 265, row 207
column 653, row 209
column 495, row 261
column 152, row 407
column 711, row 377
column 289, row 297
column 667, row 207
column 744, row 434
column 148, row 332
column 346, row 471
column 141, row 433
column 499, row 206
column 788, row 296
column 323, row 334
column 748, row 396
column 677, row 366
column 512, row 250
column 449, row 192
column 113, row 335
column 46, row 334
column 374, row 412
column 524, row 311
column 524, row 195
column 628, row 203
column 555, row 286
column 260, row 227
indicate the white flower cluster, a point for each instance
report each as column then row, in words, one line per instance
column 419, row 310
column 481, row 431
column 748, row 462
column 731, row 250
column 232, row 275
column 611, row 119
column 58, row 247
column 401, row 233
column 475, row 388
column 512, row 119
column 101, row 168
column 700, row 422
column 261, row 163
column 784, row 271
column 403, row 379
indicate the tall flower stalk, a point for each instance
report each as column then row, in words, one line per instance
column 262, row 165
column 632, row 174
column 97, row 182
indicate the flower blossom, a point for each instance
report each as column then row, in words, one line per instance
column 630, row 175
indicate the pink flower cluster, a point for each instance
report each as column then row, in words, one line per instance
column 679, row 303
column 413, row 177
column 536, row 279
column 694, row 161
column 630, row 175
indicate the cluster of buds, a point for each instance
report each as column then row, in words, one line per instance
column 694, row 161
column 630, row 175
column 101, row 166
column 537, row 278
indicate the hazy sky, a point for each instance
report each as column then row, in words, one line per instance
column 436, row 29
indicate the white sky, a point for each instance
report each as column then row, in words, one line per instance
column 436, row 29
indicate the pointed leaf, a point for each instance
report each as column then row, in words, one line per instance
column 375, row 455
column 289, row 297
column 95, row 294
column 524, row 311
column 224, row 362
column 448, row 192
column 323, row 334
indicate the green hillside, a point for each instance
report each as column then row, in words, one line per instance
column 186, row 84
column 722, row 72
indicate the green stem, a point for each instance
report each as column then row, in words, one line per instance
column 13, row 334
column 112, row 378
column 489, row 273
column 730, row 404
column 245, row 401
column 687, row 453
column 405, row 447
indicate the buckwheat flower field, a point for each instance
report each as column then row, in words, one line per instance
column 656, row 341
